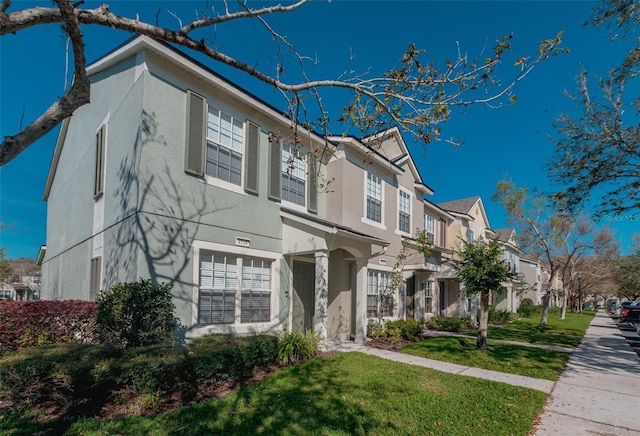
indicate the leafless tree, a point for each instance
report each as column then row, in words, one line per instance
column 417, row 95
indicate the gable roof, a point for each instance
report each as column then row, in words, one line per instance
column 462, row 206
column 504, row 235
column 396, row 164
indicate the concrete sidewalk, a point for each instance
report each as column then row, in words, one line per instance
column 599, row 391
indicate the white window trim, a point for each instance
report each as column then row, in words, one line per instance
column 214, row 181
column 398, row 231
column 290, row 204
column 236, row 326
column 392, row 295
column 364, row 219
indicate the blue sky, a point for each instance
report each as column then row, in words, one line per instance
column 510, row 140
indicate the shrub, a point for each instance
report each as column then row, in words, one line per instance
column 409, row 328
column 61, row 374
column 27, row 323
column 449, row 324
column 498, row 316
column 218, row 358
column 141, row 378
column 296, row 346
column 526, row 308
column 136, row 314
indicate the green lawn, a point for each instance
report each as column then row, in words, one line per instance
column 343, row 394
column 565, row 333
column 513, row 359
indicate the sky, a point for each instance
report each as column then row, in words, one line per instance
column 366, row 36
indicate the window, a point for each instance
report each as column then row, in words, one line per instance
column 470, row 235
column 374, row 198
column 256, row 291
column 294, row 172
column 378, row 291
column 430, row 228
column 95, row 277
column 427, row 287
column 404, row 211
column 225, row 136
column 5, row 294
column 98, row 180
column 221, row 285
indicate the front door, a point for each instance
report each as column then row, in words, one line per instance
column 442, row 298
column 411, row 291
column 304, row 276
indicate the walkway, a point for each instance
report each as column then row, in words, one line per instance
column 599, row 391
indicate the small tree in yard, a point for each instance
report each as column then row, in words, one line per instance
column 136, row 314
column 482, row 271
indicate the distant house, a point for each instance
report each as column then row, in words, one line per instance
column 509, row 299
column 470, row 224
column 382, row 193
column 532, row 271
column 20, row 288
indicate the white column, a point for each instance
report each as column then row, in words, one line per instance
column 321, row 295
column 361, row 301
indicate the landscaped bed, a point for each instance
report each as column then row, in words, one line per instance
column 348, row 393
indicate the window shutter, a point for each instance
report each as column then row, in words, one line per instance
column 312, row 186
column 251, row 163
column 275, row 168
column 94, row 277
column 98, row 183
column 196, row 134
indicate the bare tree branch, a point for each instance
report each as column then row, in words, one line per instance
column 416, row 96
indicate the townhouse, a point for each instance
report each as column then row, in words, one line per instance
column 176, row 174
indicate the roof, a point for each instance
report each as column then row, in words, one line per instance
column 334, row 227
column 503, row 235
column 459, row 206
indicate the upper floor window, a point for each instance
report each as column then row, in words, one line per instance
column 294, row 173
column 404, row 211
column 470, row 235
column 225, row 136
column 374, row 198
column 98, row 180
column 430, row 228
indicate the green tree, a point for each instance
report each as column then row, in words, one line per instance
column 482, row 271
column 546, row 229
column 627, row 274
column 598, row 150
column 6, row 269
column 416, row 96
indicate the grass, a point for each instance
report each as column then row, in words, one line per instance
column 343, row 394
column 513, row 359
column 565, row 333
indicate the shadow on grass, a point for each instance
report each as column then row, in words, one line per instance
column 513, row 359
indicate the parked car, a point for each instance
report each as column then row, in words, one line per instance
column 630, row 311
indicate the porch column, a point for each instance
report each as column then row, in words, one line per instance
column 321, row 295
column 361, row 301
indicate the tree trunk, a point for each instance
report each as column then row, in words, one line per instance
column 565, row 299
column 546, row 302
column 483, row 322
